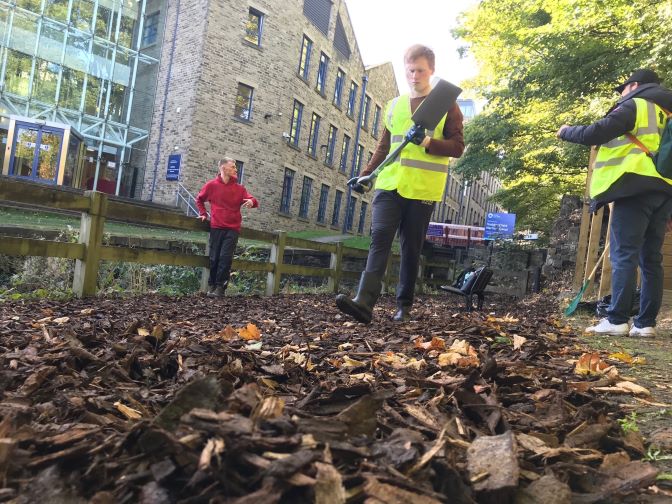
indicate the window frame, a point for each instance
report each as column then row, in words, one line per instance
column 286, row 197
column 345, row 151
column 147, row 26
column 295, row 129
column 352, row 99
column 304, row 58
column 306, row 190
column 322, row 204
column 322, row 70
column 336, row 209
column 338, row 88
column 331, row 145
column 376, row 121
column 365, row 116
column 362, row 217
column 260, row 30
column 248, row 108
column 240, row 170
column 314, row 134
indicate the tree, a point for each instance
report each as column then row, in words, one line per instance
column 544, row 63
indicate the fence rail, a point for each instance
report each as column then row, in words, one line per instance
column 96, row 208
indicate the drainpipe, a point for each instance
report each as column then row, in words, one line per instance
column 165, row 100
column 353, row 168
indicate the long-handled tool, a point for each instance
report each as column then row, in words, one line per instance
column 426, row 117
column 575, row 302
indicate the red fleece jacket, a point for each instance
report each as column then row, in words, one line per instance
column 225, row 200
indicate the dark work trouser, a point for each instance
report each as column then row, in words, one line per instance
column 637, row 235
column 391, row 212
column 222, row 246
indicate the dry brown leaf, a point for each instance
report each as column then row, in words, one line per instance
column 227, row 334
column 518, row 341
column 590, row 364
column 270, row 407
column 214, row 446
column 130, row 413
column 143, row 332
column 62, row 320
column 250, row 332
column 349, row 362
column 435, row 343
column 87, row 311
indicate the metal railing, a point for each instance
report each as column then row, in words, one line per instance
column 186, row 201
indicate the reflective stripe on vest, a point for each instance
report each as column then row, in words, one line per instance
column 620, row 155
column 415, row 174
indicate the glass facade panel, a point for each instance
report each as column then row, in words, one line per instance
column 45, row 81
column 82, row 14
column 126, row 31
column 24, row 32
column 104, row 23
column 48, row 153
column 52, row 36
column 17, row 73
column 56, row 9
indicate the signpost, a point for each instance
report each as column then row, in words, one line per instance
column 499, row 225
column 173, row 171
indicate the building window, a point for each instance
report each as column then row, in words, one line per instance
column 376, row 122
column 305, row 197
column 150, row 30
column 314, row 133
column 337, row 208
column 344, row 154
column 254, row 26
column 350, row 213
column 304, row 61
column 322, row 73
column 365, row 114
column 362, row 217
column 286, row 200
column 322, row 207
column 368, row 158
column 243, row 110
column 338, row 88
column 295, row 126
column 331, row 145
column 240, row 171
column 352, row 97
column 358, row 158
column 319, row 13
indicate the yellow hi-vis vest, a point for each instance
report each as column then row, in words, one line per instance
column 414, row 174
column 621, row 155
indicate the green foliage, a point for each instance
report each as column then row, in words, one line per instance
column 629, row 423
column 656, row 455
column 544, row 63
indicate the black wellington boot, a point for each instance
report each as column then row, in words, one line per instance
column 403, row 314
column 361, row 307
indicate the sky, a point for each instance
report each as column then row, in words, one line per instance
column 386, row 28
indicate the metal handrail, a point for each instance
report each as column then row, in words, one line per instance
column 188, row 200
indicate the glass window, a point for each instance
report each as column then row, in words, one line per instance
column 82, row 14
column 31, row 5
column 24, row 32
column 322, row 207
column 350, row 213
column 365, row 114
column 51, row 41
column 313, row 135
column 44, row 83
column 286, row 200
column 344, row 154
column 305, row 197
column 240, row 171
column 104, row 22
column 338, row 87
column 94, row 95
column 352, row 97
column 304, row 59
column 358, row 158
column 117, row 100
column 362, row 217
column 243, row 108
column 72, row 84
column 322, row 73
column 126, row 31
column 77, row 51
column 254, row 26
column 17, row 73
column 56, row 9
column 376, row 122
column 335, row 216
column 331, row 145
column 150, row 30
column 295, row 126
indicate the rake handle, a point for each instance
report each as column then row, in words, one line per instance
column 597, row 264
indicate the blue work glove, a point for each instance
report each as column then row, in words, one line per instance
column 416, row 134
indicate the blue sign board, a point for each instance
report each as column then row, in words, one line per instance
column 173, row 171
column 499, row 225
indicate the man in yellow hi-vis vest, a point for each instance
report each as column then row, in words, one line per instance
column 406, row 190
column 624, row 173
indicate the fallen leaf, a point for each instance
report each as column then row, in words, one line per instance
column 62, row 320
column 227, row 334
column 87, row 311
column 518, row 341
column 622, row 356
column 214, row 446
column 250, row 332
column 143, row 332
column 348, row 362
column 590, row 363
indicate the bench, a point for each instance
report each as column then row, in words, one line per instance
column 470, row 284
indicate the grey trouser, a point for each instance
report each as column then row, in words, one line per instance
column 391, row 212
column 637, row 235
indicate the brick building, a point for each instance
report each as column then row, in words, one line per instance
column 280, row 88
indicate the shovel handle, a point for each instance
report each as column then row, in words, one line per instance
column 597, row 264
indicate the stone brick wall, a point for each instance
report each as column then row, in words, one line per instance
column 211, row 58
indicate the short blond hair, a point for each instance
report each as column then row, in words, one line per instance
column 420, row 51
column 225, row 160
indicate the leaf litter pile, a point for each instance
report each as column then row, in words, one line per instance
column 265, row 400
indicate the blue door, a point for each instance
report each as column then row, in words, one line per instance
column 36, row 152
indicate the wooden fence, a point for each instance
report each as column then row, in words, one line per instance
column 96, row 208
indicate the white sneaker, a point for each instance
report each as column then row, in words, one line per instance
column 606, row 327
column 642, row 332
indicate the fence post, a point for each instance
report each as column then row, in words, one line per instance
column 205, row 272
column 335, row 265
column 420, row 284
column 277, row 255
column 90, row 234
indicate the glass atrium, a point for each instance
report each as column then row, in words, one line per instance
column 77, row 85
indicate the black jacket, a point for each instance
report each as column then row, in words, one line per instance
column 618, row 121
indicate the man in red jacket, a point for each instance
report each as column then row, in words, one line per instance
column 226, row 196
